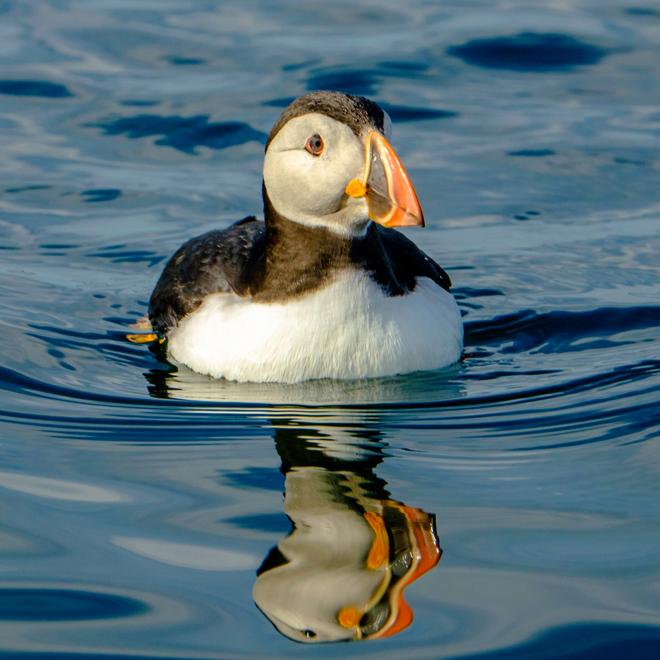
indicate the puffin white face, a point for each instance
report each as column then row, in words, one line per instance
column 307, row 168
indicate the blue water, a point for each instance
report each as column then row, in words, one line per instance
column 138, row 502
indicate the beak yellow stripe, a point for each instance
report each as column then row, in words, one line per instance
column 355, row 188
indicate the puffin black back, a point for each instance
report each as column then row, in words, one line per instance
column 215, row 262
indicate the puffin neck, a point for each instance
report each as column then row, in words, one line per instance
column 298, row 259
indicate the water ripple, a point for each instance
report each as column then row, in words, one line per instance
column 584, row 641
column 49, row 604
column 560, row 331
column 101, row 194
column 364, row 81
column 183, row 133
column 529, row 52
column 41, row 88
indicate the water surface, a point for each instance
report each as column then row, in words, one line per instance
column 151, row 512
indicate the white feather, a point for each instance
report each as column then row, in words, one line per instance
column 309, row 189
column 349, row 329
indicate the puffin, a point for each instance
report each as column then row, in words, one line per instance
column 324, row 287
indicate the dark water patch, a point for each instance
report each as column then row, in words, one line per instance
column 529, row 52
column 182, row 60
column 553, row 332
column 128, row 256
column 66, row 655
column 183, row 133
column 641, row 11
column 27, row 188
column 139, row 103
column 59, row 246
column 350, row 81
column 526, row 215
column 265, row 522
column 35, row 604
column 583, row 641
column 464, row 292
column 123, row 321
column 404, row 113
column 620, row 160
column 297, row 66
column 280, row 102
column 55, row 353
column 95, row 195
column 59, row 356
column 476, row 353
column 494, row 375
column 364, row 81
column 258, row 477
column 41, row 88
column 404, row 66
column 531, row 153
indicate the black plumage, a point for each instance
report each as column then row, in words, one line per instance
column 215, row 262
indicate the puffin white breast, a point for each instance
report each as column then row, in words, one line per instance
column 348, row 329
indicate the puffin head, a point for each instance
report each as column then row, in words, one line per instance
column 328, row 164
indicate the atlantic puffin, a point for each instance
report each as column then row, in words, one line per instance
column 324, row 287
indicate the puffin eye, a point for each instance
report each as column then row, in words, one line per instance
column 315, row 145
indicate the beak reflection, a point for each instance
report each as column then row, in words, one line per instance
column 341, row 572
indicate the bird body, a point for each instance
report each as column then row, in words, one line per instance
column 348, row 329
column 317, row 290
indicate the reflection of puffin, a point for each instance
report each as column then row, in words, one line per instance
column 317, row 290
column 341, row 573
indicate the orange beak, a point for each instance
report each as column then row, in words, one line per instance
column 390, row 195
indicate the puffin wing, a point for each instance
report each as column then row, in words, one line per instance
column 409, row 262
column 215, row 262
